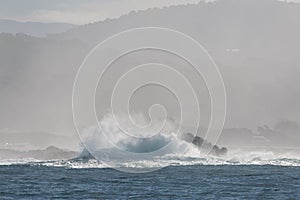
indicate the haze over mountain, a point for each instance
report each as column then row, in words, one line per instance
column 256, row 51
column 33, row 28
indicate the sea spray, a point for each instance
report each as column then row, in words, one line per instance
column 108, row 135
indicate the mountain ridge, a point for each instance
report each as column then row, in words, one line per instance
column 257, row 55
column 36, row 29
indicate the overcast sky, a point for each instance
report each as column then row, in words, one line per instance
column 76, row 11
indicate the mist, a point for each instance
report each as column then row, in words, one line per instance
column 255, row 44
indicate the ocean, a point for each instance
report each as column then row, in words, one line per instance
column 30, row 179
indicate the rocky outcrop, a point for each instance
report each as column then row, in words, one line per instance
column 50, row 153
column 204, row 145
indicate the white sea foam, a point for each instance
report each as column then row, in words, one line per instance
column 108, row 156
column 234, row 158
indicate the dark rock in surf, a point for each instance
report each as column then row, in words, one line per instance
column 202, row 144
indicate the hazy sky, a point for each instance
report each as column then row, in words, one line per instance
column 76, row 11
column 79, row 11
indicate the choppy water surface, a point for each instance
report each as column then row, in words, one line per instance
column 39, row 181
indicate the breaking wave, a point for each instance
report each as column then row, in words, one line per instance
column 233, row 158
column 100, row 152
